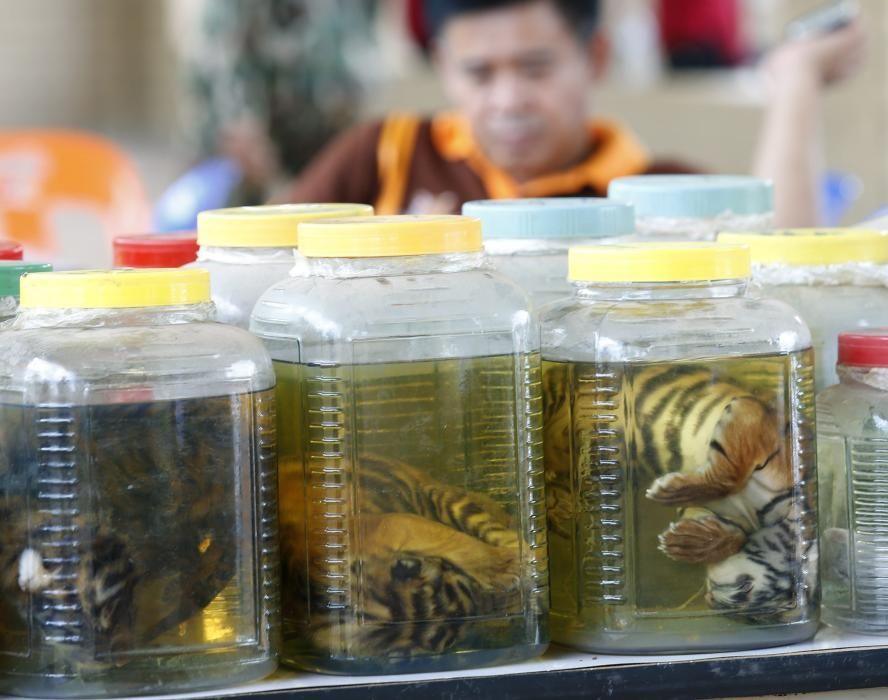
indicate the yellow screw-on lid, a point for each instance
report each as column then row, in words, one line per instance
column 658, row 262
column 389, row 236
column 115, row 289
column 802, row 247
column 274, row 226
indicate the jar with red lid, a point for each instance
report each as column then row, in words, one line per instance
column 155, row 250
column 10, row 250
column 852, row 460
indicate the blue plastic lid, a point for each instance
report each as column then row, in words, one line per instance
column 551, row 218
column 694, row 196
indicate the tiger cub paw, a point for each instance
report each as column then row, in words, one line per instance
column 704, row 540
column 681, row 489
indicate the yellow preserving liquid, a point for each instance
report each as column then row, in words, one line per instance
column 412, row 514
column 681, row 500
column 151, row 532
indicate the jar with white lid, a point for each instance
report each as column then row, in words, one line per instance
column 837, row 280
column 247, row 249
column 695, row 207
column 527, row 239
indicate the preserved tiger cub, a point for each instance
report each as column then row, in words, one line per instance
column 697, row 442
column 429, row 554
column 723, row 449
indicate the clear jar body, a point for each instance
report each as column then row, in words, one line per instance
column 412, row 506
column 830, row 309
column 239, row 276
column 8, row 307
column 138, row 496
column 539, row 266
column 852, row 434
column 662, row 228
column 673, row 491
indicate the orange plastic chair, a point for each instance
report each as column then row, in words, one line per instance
column 45, row 175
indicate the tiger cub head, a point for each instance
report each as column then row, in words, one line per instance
column 755, row 444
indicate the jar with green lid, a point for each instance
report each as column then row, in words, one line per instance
column 137, row 490
column 527, row 239
column 695, row 207
column 412, row 505
column 679, row 455
column 837, row 279
column 10, row 274
column 852, row 430
column 247, row 249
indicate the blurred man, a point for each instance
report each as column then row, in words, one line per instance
column 519, row 74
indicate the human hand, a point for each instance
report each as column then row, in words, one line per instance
column 819, row 60
column 247, row 143
column 424, row 202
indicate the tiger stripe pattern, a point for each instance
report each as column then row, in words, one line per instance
column 713, row 450
column 431, row 555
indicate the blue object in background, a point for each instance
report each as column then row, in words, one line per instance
column 838, row 193
column 208, row 185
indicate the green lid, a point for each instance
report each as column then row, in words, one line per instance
column 551, row 218
column 694, row 196
column 11, row 272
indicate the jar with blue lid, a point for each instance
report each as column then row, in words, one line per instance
column 695, row 207
column 527, row 239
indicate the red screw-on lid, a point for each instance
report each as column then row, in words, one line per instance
column 10, row 250
column 155, row 250
column 864, row 348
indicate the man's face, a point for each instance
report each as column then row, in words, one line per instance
column 521, row 77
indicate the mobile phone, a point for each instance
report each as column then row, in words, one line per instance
column 823, row 20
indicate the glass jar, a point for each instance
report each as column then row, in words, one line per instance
column 527, row 239
column 679, row 455
column 836, row 279
column 153, row 250
column 247, row 249
column 695, row 207
column 852, row 431
column 10, row 250
column 137, row 490
column 412, row 505
column 10, row 274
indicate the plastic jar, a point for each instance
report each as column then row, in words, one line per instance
column 852, row 429
column 247, row 249
column 412, row 506
column 137, row 490
column 695, row 207
column 10, row 250
column 679, row 455
column 10, row 274
column 527, row 239
column 154, row 250
column 836, row 279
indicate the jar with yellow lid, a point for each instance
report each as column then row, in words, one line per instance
column 679, row 455
column 137, row 490
column 412, row 506
column 837, row 279
column 247, row 249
